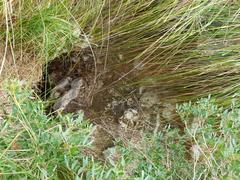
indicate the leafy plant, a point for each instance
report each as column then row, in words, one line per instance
column 34, row 145
column 38, row 146
column 215, row 138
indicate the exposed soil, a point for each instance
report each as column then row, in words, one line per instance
column 77, row 82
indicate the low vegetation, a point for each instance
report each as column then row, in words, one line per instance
column 39, row 146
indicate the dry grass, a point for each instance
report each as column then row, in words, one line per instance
column 25, row 68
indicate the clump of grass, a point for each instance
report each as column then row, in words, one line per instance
column 193, row 53
column 41, row 28
column 185, row 49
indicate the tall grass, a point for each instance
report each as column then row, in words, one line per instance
column 185, row 49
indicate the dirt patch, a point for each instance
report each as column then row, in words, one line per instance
column 77, row 82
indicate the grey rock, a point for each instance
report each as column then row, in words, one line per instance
column 58, row 90
column 77, row 88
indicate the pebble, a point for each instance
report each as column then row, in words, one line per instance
column 77, row 86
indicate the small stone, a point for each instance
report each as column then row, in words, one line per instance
column 77, row 84
column 118, row 108
column 130, row 102
column 149, row 99
column 130, row 116
column 61, row 87
column 77, row 87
